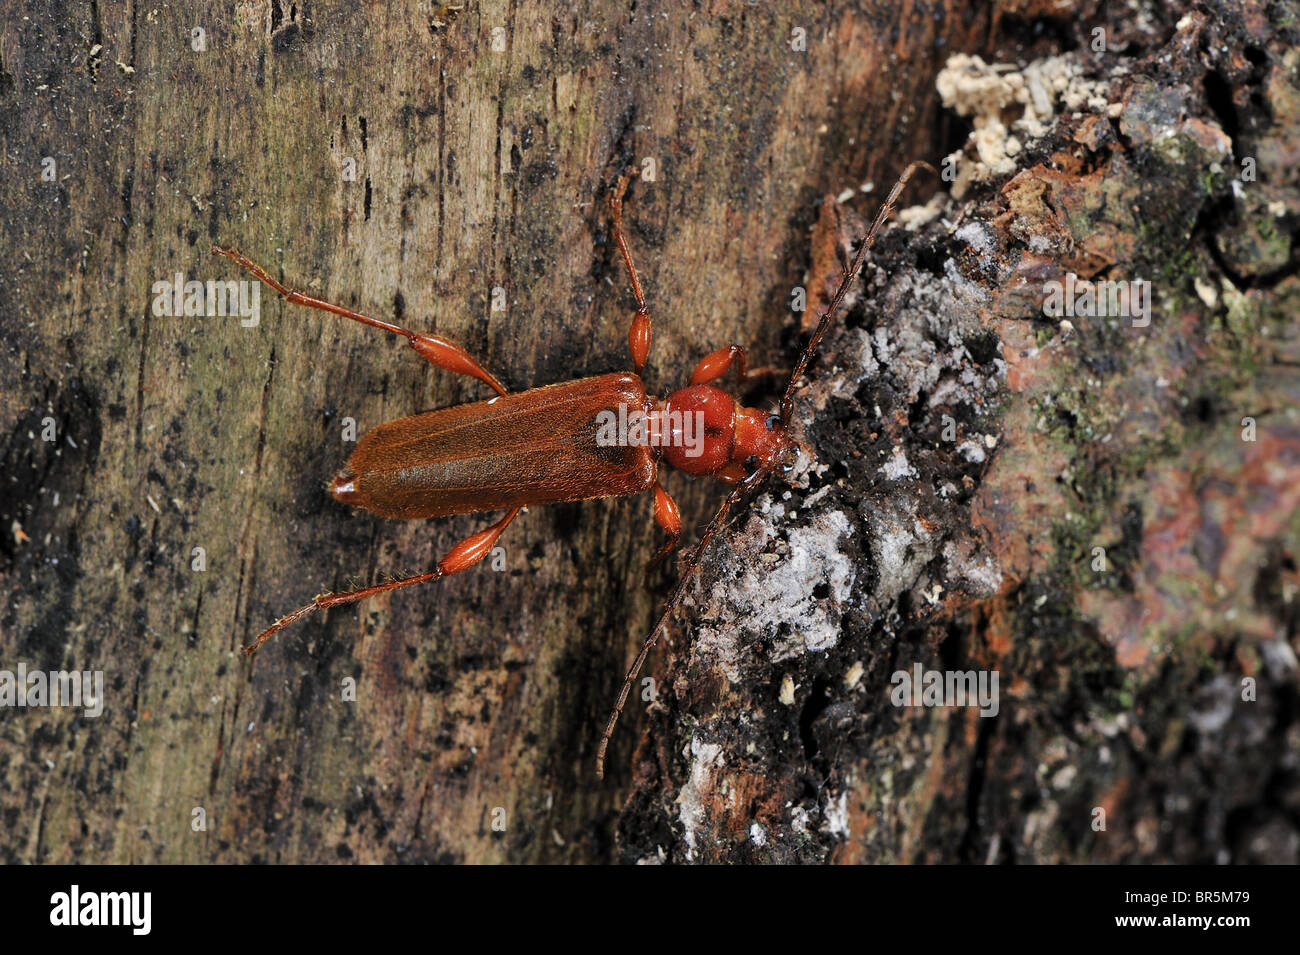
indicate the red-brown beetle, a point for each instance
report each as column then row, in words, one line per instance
column 541, row 446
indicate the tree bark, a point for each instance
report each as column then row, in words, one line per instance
column 482, row 137
column 1102, row 508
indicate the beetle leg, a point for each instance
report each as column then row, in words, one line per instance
column 715, row 365
column 733, row 473
column 669, row 518
column 434, row 349
column 444, row 353
column 638, row 335
column 461, row 557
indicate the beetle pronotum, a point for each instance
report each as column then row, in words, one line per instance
column 540, row 446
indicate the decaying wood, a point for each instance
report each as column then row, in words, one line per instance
column 1102, row 509
column 475, row 168
column 478, row 702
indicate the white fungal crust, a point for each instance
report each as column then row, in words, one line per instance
column 776, row 595
column 706, row 759
column 990, row 93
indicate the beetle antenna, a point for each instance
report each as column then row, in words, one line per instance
column 851, row 273
column 715, row 525
column 757, row 477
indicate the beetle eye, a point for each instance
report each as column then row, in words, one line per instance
column 773, row 421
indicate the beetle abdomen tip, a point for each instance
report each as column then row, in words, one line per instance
column 344, row 486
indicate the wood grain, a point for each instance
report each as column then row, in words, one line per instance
column 475, row 168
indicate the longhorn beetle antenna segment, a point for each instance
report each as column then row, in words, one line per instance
column 737, row 492
column 755, row 478
column 850, row 274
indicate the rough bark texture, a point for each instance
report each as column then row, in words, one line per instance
column 480, row 699
column 972, row 455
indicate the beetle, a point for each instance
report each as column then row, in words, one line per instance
column 542, row 446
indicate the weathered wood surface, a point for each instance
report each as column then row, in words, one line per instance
column 475, row 168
